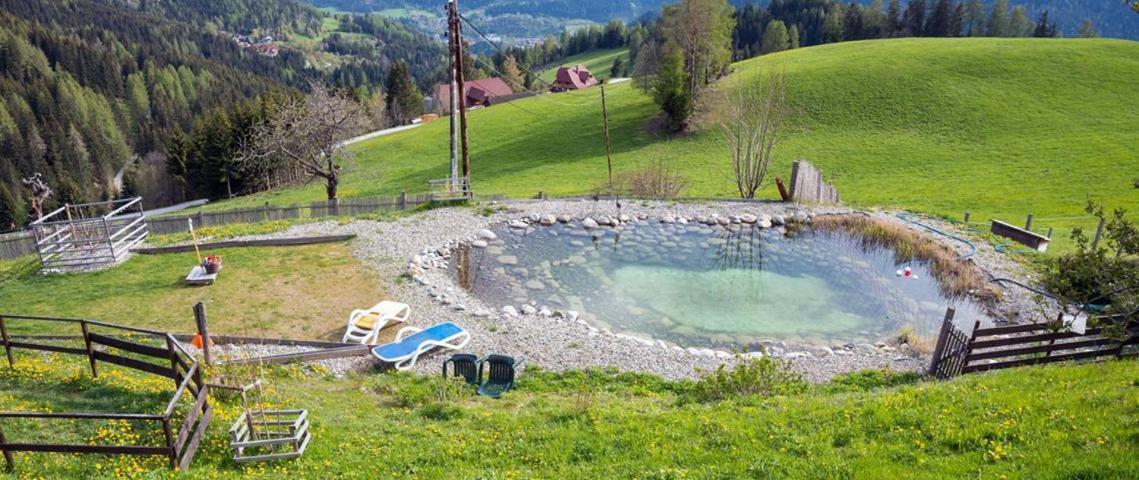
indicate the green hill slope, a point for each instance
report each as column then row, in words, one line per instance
column 999, row 127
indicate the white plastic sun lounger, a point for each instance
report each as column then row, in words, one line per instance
column 412, row 342
column 364, row 325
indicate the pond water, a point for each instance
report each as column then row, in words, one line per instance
column 701, row 286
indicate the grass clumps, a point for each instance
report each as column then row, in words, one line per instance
column 956, row 277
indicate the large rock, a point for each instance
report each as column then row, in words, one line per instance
column 487, row 234
column 748, row 218
column 510, row 311
column 668, row 219
column 800, row 217
column 529, row 310
column 589, row 224
column 564, row 219
column 519, row 224
column 479, row 244
column 777, row 220
column 547, row 220
column 764, row 221
column 508, row 260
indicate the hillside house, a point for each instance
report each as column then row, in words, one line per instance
column 479, row 93
column 573, row 78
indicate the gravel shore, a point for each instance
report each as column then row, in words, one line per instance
column 408, row 256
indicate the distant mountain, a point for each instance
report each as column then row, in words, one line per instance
column 530, row 19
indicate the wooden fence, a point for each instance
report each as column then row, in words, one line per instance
column 181, row 429
column 995, row 348
column 17, row 244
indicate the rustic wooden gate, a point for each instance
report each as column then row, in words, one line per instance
column 117, row 344
column 995, row 348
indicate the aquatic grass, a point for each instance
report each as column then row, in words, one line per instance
column 956, row 277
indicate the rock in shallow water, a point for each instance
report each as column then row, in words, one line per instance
column 487, row 234
column 589, row 224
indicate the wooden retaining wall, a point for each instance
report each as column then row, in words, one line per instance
column 807, row 185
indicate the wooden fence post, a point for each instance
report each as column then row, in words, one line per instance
column 170, row 442
column 203, row 330
column 1028, row 223
column 402, row 200
column 7, row 455
column 90, row 348
column 966, row 216
column 942, row 338
column 173, row 361
column 7, row 342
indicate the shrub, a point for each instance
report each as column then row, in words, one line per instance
column 656, row 180
column 752, row 376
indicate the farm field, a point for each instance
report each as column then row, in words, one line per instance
column 1079, row 421
column 997, row 127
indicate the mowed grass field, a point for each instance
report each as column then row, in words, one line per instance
column 599, row 63
column 1059, row 422
column 997, row 127
column 301, row 292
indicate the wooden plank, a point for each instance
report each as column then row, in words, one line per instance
column 48, row 348
column 188, row 424
column 105, row 449
column 129, row 346
column 195, row 441
column 7, row 341
column 352, row 351
column 236, row 340
column 90, row 349
column 82, row 415
column 1039, row 360
column 1014, row 352
column 7, row 455
column 279, row 242
column 1011, row 329
column 1004, row 342
column 135, row 364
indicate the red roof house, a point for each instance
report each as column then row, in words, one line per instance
column 485, row 92
column 573, row 78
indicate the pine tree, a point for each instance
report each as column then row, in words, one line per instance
column 913, row 21
column 670, row 90
column 774, row 38
column 404, row 101
column 832, row 25
column 998, row 24
column 618, row 68
column 937, row 25
column 1087, row 29
column 1044, row 28
column 511, row 74
column 894, row 18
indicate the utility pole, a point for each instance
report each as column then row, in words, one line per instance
column 457, row 59
column 608, row 146
column 454, row 100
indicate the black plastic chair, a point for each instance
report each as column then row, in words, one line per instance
column 500, row 374
column 464, row 365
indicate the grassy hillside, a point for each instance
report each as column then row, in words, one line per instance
column 1000, row 127
column 599, row 62
column 1070, row 421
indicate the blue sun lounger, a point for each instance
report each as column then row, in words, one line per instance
column 411, row 342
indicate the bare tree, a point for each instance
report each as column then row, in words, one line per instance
column 751, row 130
column 40, row 193
column 308, row 132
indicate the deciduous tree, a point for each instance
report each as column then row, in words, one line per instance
column 751, row 130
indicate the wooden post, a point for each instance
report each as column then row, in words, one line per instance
column 7, row 455
column 608, row 145
column 170, row 443
column 457, row 52
column 1028, row 223
column 173, row 361
column 1098, row 233
column 966, row 216
column 7, row 343
column 1049, row 232
column 942, row 337
column 402, row 200
column 203, row 330
column 90, row 348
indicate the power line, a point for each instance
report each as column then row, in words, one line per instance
column 535, row 94
column 500, row 50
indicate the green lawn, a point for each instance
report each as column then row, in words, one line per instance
column 998, row 127
column 290, row 292
column 1058, row 422
column 599, row 62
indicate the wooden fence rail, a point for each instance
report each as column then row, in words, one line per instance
column 995, row 348
column 174, row 362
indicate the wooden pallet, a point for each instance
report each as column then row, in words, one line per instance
column 259, row 436
column 198, row 276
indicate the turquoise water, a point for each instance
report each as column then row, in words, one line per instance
column 725, row 287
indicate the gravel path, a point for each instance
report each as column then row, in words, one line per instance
column 420, row 245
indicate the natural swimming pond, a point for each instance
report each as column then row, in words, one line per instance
column 712, row 286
